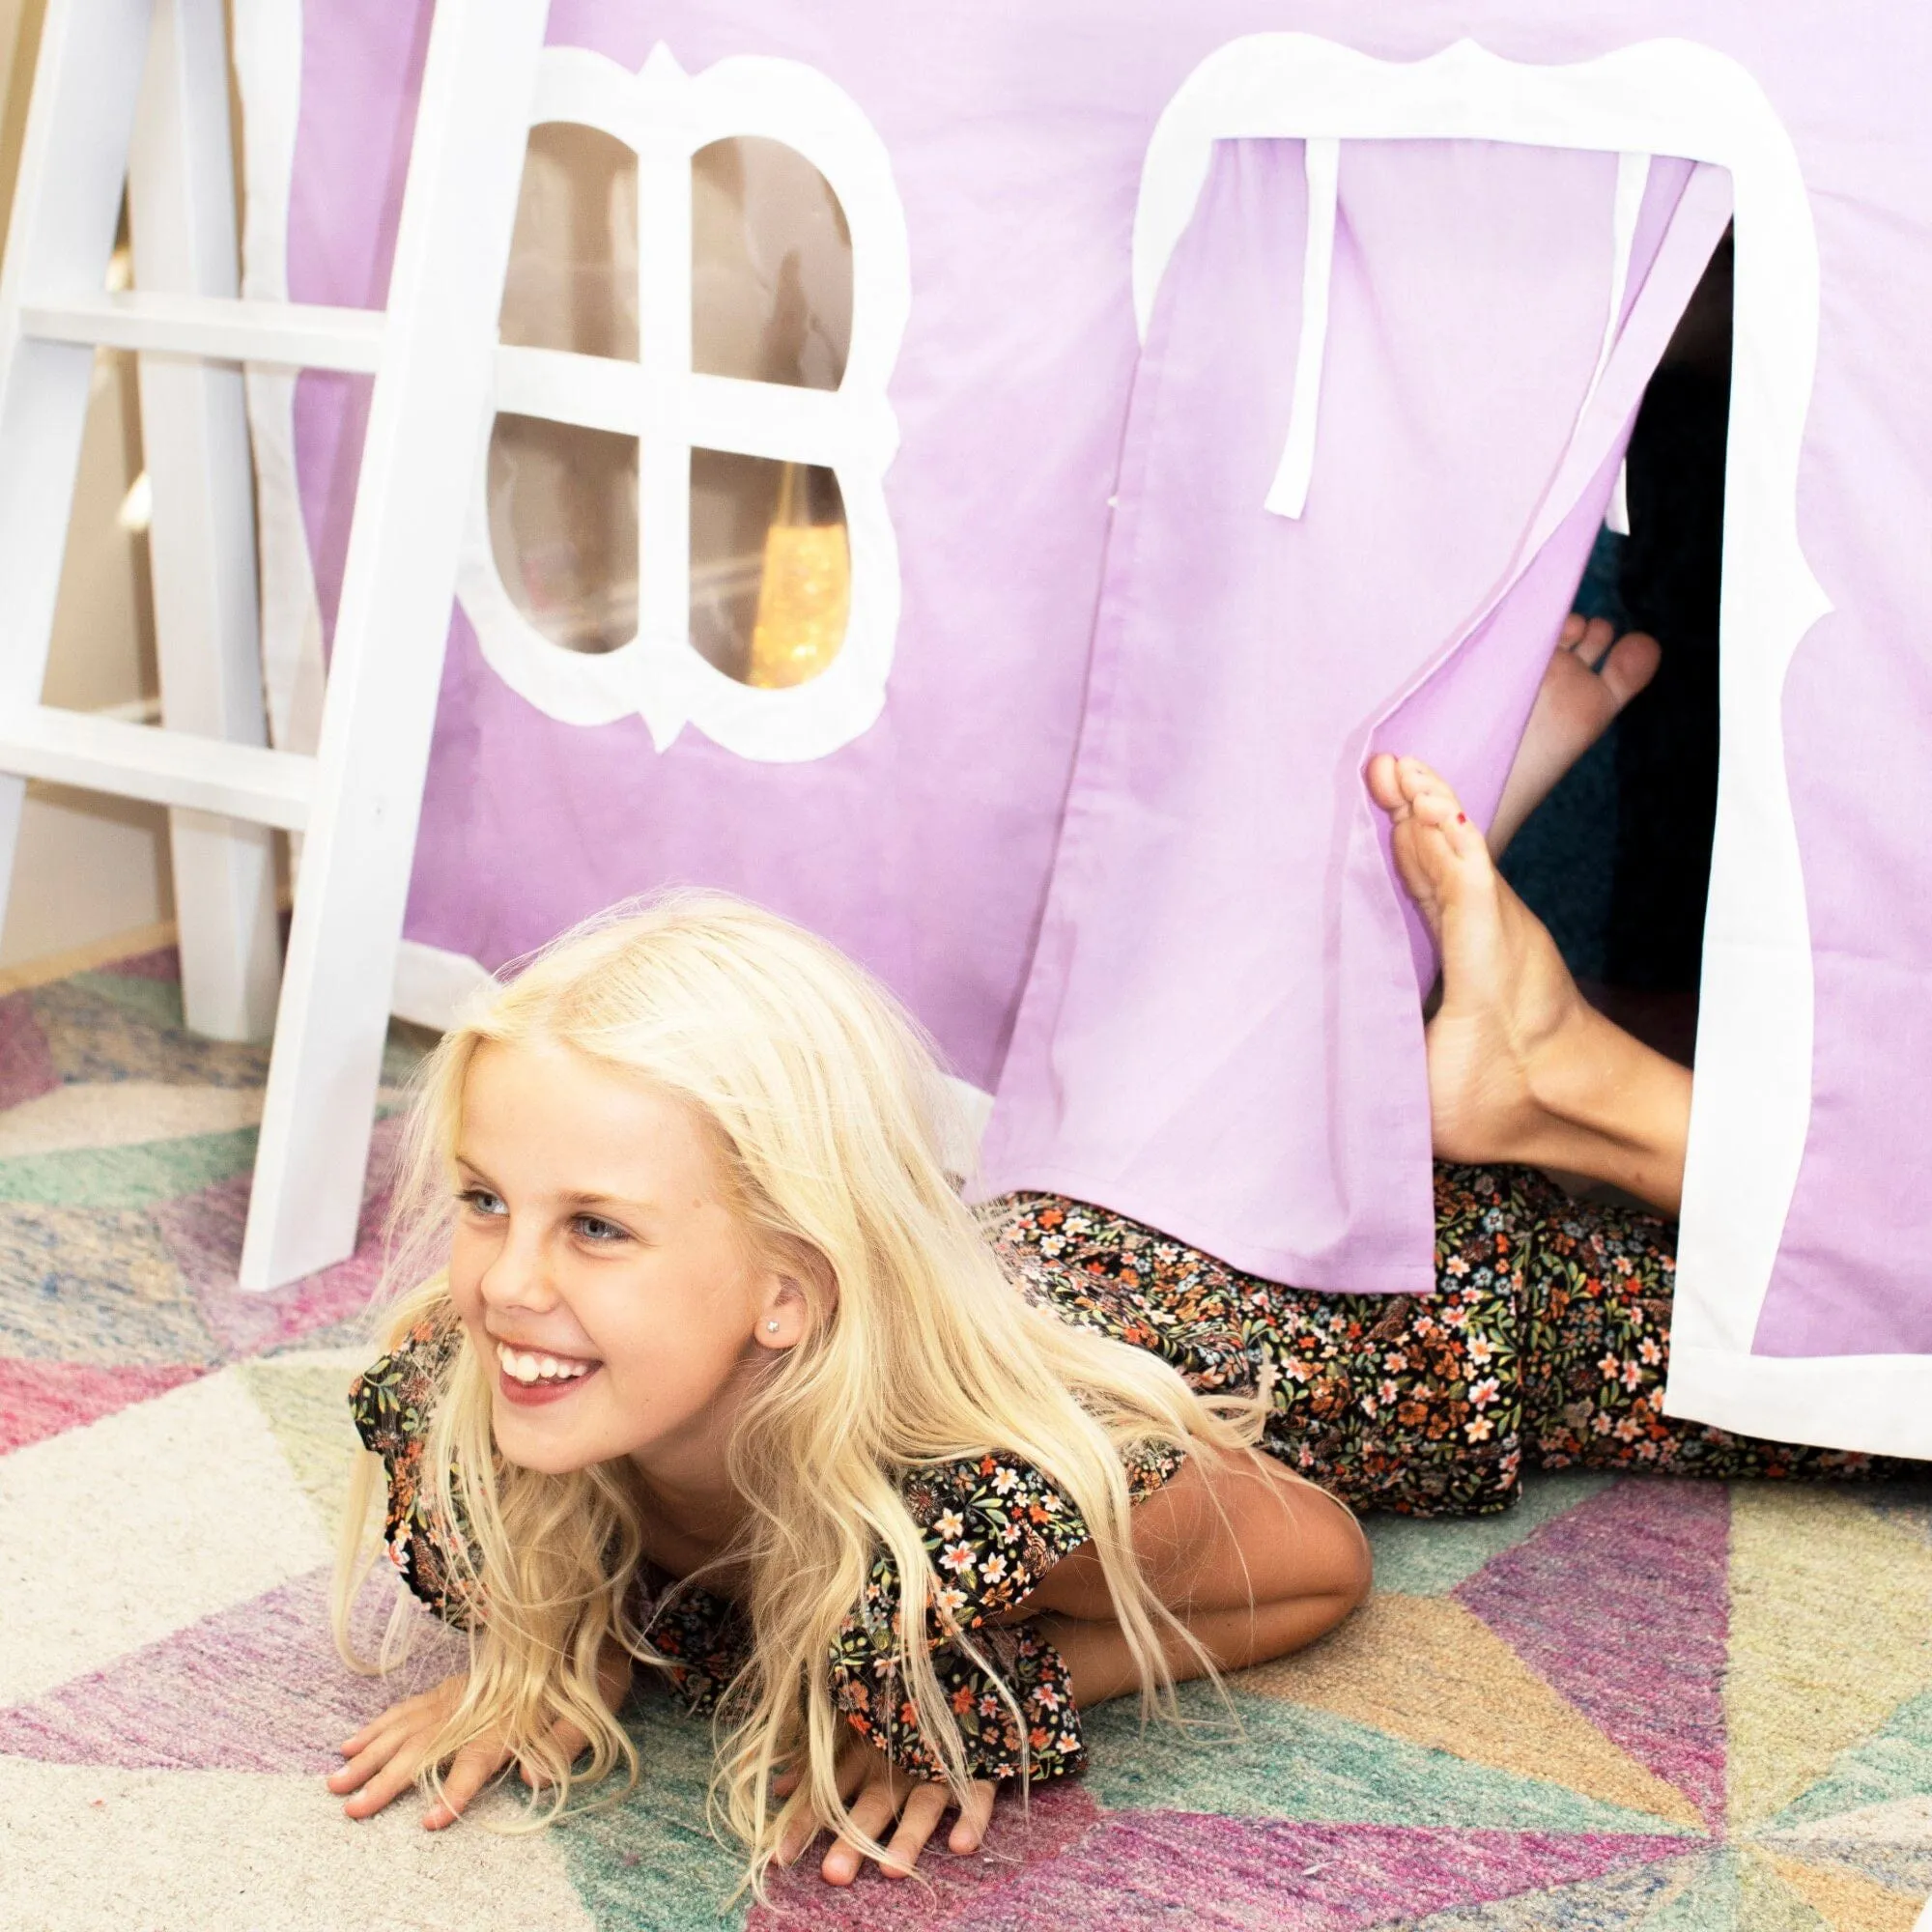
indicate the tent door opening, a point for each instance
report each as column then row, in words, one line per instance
column 1616, row 861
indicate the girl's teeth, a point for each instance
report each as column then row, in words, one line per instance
column 528, row 1368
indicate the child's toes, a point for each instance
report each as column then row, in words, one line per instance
column 1385, row 782
column 1429, row 796
column 1630, row 664
column 1434, row 805
column 1418, row 778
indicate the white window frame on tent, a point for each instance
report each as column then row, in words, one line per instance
column 1754, row 1092
column 665, row 116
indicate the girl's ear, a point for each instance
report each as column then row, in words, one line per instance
column 786, row 1316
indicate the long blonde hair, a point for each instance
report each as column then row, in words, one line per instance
column 831, row 1125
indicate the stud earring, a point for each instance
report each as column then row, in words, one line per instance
column 771, row 1328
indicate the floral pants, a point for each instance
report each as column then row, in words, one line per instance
column 1546, row 1343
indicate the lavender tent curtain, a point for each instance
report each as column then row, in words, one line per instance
column 1221, row 1033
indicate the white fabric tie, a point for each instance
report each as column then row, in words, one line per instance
column 1288, row 496
column 1632, row 178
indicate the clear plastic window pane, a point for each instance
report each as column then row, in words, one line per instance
column 563, row 524
column 771, row 571
column 573, row 276
column 771, row 288
column 772, row 302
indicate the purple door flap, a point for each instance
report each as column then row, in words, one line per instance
column 1221, row 1034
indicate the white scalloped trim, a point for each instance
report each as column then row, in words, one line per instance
column 1665, row 96
column 665, row 116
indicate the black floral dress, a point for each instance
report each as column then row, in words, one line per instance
column 993, row 1525
column 1546, row 1342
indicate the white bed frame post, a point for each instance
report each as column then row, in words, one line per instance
column 201, row 542
column 431, row 355
column 427, row 423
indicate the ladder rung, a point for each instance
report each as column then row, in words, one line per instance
column 294, row 335
column 79, row 747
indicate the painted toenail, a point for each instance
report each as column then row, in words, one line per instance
column 1462, row 818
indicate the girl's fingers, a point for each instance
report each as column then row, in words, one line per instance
column 432, row 1704
column 859, row 1764
column 877, row 1795
column 969, row 1830
column 360, row 1768
column 470, row 1770
column 384, row 1788
column 874, row 1810
column 918, row 1821
column 385, row 1754
column 798, row 1834
column 357, row 1771
column 569, row 1740
column 353, row 1776
column 856, row 1758
column 1572, row 632
column 350, row 1746
column 379, row 1750
column 395, row 1717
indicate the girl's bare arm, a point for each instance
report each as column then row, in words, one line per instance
column 1255, row 1563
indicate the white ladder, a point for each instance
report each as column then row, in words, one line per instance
column 430, row 352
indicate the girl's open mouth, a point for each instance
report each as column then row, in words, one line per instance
column 529, row 1378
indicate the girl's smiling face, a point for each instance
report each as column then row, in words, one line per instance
column 599, row 1271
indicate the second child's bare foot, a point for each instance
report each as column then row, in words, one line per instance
column 1511, row 1016
column 1591, row 676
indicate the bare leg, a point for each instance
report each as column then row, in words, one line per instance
column 1592, row 675
column 1521, row 1066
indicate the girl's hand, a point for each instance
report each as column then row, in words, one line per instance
column 386, row 1754
column 876, row 1792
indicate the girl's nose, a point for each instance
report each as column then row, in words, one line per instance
column 518, row 1277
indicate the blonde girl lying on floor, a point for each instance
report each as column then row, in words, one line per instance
column 723, row 1380
column 724, row 1385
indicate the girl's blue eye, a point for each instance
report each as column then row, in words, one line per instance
column 482, row 1202
column 594, row 1228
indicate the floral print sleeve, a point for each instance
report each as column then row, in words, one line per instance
column 700, row 1641
column 391, row 1402
column 993, row 1527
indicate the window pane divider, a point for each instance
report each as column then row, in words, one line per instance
column 666, row 116
column 778, row 421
